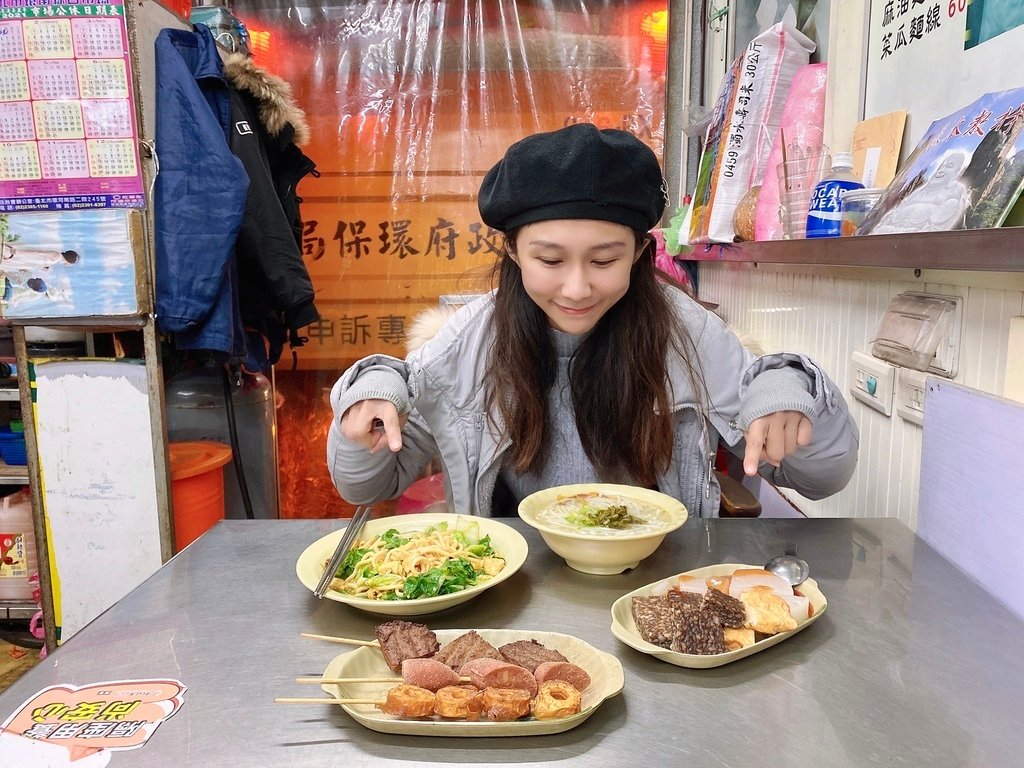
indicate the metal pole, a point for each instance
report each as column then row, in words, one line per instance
column 683, row 88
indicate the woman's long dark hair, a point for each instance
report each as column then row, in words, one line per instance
column 618, row 375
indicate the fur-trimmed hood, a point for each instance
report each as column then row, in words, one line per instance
column 277, row 105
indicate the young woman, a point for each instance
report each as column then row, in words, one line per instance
column 583, row 365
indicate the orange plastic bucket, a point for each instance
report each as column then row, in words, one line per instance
column 197, row 488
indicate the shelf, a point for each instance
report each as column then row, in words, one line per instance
column 92, row 324
column 9, row 393
column 13, row 474
column 978, row 250
column 17, row 609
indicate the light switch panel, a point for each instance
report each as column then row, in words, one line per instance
column 910, row 395
column 872, row 381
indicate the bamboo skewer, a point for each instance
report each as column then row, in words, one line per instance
column 335, row 680
column 343, row 640
column 339, row 680
column 297, row 700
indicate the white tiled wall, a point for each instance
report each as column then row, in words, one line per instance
column 828, row 314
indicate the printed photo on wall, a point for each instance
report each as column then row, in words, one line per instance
column 67, row 264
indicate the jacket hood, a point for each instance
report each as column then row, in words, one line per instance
column 277, row 105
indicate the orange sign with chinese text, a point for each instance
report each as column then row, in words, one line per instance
column 114, row 715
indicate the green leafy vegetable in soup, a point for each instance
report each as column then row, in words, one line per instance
column 615, row 516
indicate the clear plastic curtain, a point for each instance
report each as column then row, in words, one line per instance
column 409, row 104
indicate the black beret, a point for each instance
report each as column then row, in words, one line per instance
column 578, row 172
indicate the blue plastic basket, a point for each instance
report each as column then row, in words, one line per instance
column 12, row 447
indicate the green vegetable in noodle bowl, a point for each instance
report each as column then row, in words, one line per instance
column 414, row 565
column 615, row 516
column 600, row 514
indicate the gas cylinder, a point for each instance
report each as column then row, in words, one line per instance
column 196, row 410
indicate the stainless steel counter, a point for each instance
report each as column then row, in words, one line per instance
column 912, row 664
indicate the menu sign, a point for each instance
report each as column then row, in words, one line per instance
column 67, row 112
column 88, row 721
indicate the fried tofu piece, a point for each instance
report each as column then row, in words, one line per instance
column 766, row 611
column 735, row 639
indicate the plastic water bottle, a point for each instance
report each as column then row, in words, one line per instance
column 824, row 217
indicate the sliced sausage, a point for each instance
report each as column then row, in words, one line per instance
column 564, row 671
column 491, row 673
column 429, row 674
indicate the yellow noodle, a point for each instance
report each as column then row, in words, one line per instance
column 419, row 554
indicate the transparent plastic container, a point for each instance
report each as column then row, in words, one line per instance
column 856, row 204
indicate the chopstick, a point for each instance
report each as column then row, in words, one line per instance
column 351, row 532
column 343, row 640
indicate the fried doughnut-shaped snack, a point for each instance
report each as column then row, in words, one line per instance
column 504, row 704
column 456, row 701
column 556, row 699
column 408, row 701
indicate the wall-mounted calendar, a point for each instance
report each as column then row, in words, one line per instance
column 67, row 108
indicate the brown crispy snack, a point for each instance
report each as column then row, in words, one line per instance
column 408, row 701
column 457, row 701
column 504, row 704
column 556, row 699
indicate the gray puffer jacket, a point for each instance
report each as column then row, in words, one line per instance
column 440, row 386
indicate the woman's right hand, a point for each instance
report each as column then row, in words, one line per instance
column 374, row 424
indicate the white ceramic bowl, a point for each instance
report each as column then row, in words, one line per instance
column 601, row 551
column 507, row 542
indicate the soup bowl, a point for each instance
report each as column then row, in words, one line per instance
column 563, row 516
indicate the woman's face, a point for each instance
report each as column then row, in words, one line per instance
column 575, row 269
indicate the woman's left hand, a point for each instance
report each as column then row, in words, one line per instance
column 773, row 437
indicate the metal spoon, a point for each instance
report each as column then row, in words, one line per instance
column 790, row 568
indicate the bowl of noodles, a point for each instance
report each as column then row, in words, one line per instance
column 602, row 528
column 409, row 565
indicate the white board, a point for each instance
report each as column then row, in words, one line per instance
column 947, row 72
column 95, row 447
column 972, row 486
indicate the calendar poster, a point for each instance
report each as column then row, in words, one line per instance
column 67, row 112
column 67, row 264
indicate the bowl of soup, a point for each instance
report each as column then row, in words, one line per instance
column 602, row 528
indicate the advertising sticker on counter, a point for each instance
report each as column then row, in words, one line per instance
column 66, row 724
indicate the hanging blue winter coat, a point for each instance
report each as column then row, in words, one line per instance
column 199, row 195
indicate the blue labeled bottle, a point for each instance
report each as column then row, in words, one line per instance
column 824, row 218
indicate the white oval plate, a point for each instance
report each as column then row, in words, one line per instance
column 507, row 542
column 624, row 628
column 606, row 680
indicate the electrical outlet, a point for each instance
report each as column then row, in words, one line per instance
column 872, row 382
column 910, row 395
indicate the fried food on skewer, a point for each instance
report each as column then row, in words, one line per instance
column 408, row 701
column 556, row 699
column 459, row 702
column 505, row 704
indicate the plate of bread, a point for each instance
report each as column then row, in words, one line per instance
column 711, row 616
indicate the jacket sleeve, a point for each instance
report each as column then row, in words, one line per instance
column 743, row 388
column 362, row 477
column 266, row 244
column 196, row 215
